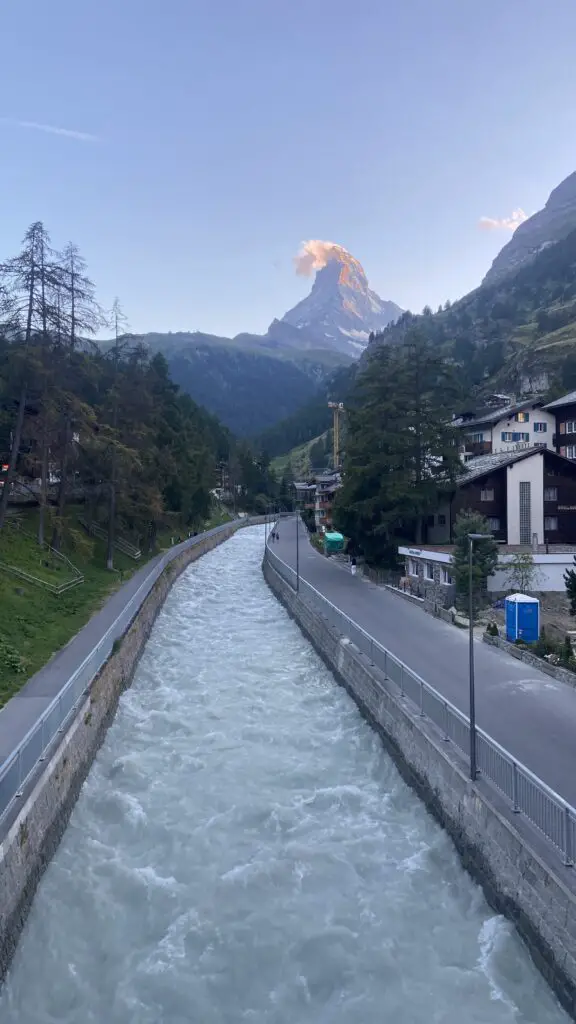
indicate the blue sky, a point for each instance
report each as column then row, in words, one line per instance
column 227, row 131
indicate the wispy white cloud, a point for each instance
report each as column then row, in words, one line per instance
column 504, row 223
column 51, row 129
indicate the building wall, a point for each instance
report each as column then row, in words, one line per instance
column 487, row 438
column 473, row 496
column 438, row 527
column 527, row 471
column 566, row 438
column 511, row 425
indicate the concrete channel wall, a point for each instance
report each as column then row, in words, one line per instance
column 521, row 876
column 34, row 834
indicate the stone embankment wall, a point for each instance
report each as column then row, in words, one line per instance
column 564, row 675
column 522, row 876
column 32, row 839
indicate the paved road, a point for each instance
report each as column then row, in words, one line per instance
column 526, row 711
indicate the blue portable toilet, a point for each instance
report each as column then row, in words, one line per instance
column 522, row 618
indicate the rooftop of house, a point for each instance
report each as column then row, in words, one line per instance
column 483, row 464
column 489, row 416
column 569, row 399
column 304, row 486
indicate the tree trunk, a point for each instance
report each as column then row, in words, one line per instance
column 14, row 453
column 57, row 533
column 111, row 515
column 43, row 489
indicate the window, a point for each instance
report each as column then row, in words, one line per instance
column 550, row 494
column 445, row 576
column 475, row 438
column 522, row 417
column 412, row 567
column 568, row 428
column 515, row 435
column 429, row 571
column 550, row 523
column 487, row 494
column 429, row 520
column 569, row 451
column 540, row 428
column 494, row 523
column 441, row 520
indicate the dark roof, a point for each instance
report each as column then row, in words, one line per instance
column 486, row 464
column 569, row 399
column 493, row 415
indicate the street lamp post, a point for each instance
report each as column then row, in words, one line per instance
column 297, row 551
column 472, row 700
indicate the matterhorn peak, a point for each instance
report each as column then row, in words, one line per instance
column 341, row 310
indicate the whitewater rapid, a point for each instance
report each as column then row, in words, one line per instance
column 245, row 851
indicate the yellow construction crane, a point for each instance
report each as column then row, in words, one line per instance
column 337, row 408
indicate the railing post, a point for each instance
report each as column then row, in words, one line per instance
column 42, row 755
column 402, row 694
column 515, row 806
column 386, row 663
column 567, row 838
column 421, row 699
column 446, row 736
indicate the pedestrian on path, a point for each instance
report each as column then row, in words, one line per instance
column 353, row 566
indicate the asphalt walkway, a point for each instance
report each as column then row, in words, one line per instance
column 529, row 713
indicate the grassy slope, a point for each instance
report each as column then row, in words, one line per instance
column 34, row 623
column 299, row 458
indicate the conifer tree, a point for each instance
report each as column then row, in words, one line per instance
column 401, row 451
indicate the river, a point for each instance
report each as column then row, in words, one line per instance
column 244, row 850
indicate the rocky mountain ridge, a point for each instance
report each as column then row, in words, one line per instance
column 543, row 229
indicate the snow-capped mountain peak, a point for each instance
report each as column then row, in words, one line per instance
column 340, row 311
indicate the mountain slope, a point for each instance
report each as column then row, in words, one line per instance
column 247, row 391
column 516, row 335
column 550, row 225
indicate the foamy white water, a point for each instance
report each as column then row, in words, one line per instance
column 245, row 851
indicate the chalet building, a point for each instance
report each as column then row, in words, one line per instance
column 512, row 427
column 528, row 497
column 326, row 486
column 304, row 495
column 564, row 412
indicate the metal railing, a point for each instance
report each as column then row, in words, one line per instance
column 119, row 543
column 75, row 577
column 527, row 794
column 60, row 713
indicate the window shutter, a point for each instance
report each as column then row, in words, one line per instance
column 562, row 428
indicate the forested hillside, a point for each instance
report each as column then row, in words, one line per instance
column 246, row 390
column 313, row 419
column 107, row 427
column 248, row 382
column 508, row 335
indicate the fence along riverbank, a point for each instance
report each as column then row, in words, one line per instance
column 526, row 871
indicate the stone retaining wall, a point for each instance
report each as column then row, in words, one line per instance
column 564, row 675
column 34, row 835
column 522, row 876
